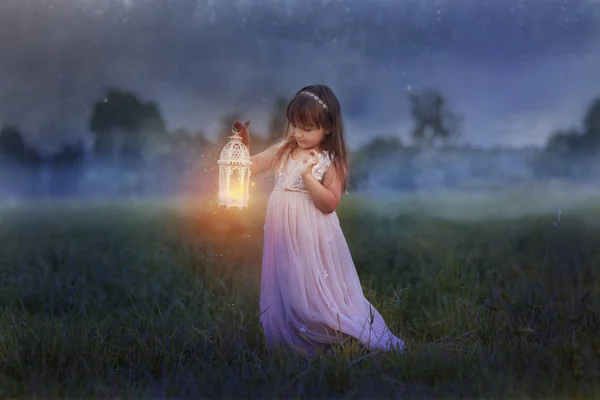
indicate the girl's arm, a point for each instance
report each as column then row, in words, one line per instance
column 328, row 197
column 262, row 161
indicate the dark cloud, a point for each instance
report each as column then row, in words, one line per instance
column 506, row 65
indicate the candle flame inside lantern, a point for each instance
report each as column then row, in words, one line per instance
column 234, row 174
column 236, row 187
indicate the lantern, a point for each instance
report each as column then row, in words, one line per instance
column 234, row 174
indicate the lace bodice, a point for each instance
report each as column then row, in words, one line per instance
column 288, row 178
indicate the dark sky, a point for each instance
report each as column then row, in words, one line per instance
column 515, row 69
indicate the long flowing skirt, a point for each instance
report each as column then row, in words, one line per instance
column 311, row 294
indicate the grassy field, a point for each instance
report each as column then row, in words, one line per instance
column 161, row 299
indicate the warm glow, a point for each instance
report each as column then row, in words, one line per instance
column 236, row 191
column 234, row 174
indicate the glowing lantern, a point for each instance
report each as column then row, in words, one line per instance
column 234, row 174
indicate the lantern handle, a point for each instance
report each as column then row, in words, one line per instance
column 237, row 128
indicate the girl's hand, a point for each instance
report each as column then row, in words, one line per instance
column 243, row 131
column 310, row 163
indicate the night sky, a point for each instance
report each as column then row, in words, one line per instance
column 515, row 69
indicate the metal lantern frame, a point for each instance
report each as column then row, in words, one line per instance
column 234, row 188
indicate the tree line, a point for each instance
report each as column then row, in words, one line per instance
column 128, row 129
column 130, row 133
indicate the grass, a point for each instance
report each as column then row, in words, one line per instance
column 161, row 300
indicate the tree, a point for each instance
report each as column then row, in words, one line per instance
column 69, row 155
column 570, row 153
column 66, row 169
column 124, row 125
column 382, row 147
column 592, row 124
column 433, row 120
column 566, row 143
column 381, row 164
column 12, row 144
column 14, row 148
column 279, row 122
column 192, row 149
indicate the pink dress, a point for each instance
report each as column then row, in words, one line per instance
column 310, row 294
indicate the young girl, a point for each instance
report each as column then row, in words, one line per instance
column 310, row 295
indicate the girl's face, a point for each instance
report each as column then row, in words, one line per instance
column 307, row 137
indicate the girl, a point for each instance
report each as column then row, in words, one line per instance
column 310, row 294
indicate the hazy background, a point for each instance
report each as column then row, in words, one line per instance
column 135, row 97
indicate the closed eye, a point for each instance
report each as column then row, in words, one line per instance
column 304, row 128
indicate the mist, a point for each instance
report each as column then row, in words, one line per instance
column 135, row 98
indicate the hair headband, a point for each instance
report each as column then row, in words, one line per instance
column 314, row 96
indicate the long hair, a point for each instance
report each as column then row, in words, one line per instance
column 306, row 112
